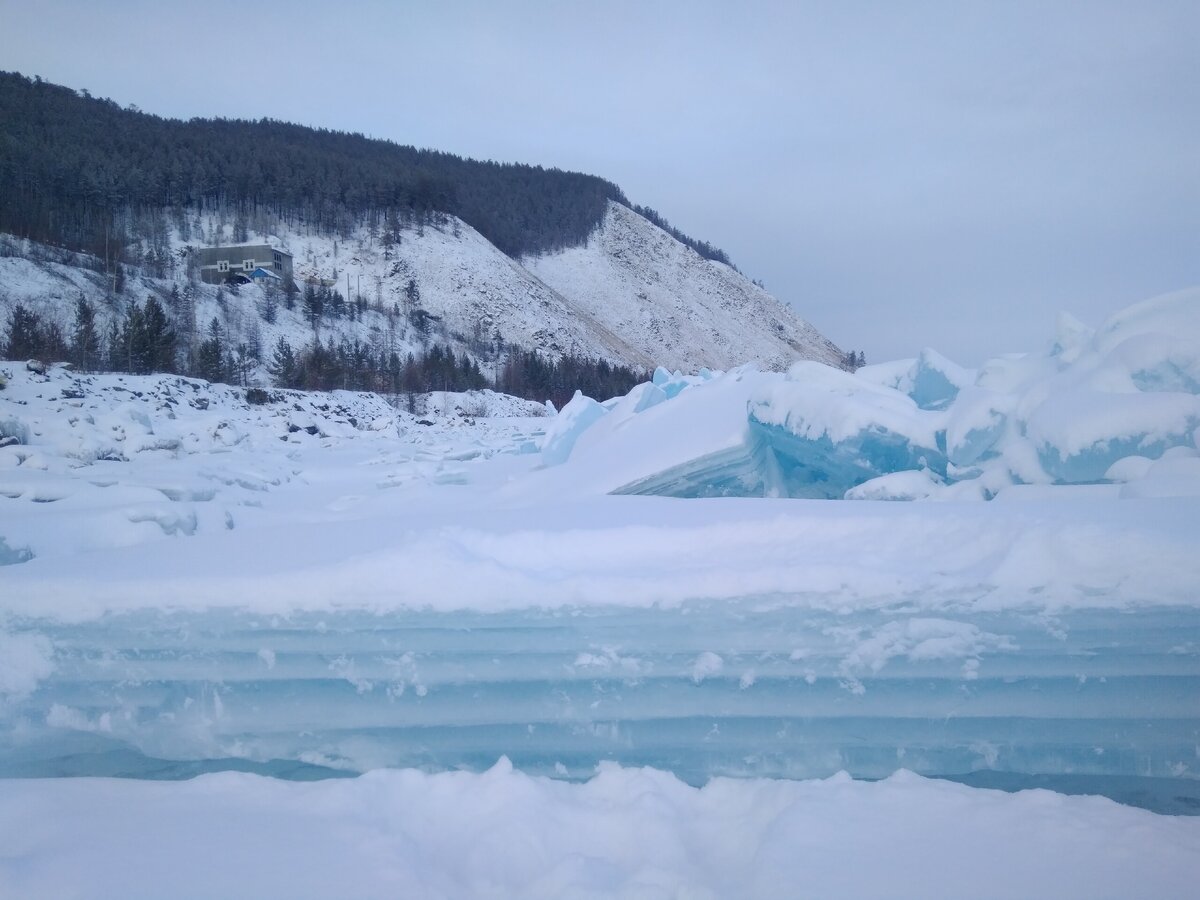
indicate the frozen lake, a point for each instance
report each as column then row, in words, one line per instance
column 331, row 649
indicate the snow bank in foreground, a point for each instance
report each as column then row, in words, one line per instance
column 625, row 833
column 922, row 429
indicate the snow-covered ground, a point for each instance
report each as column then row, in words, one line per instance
column 325, row 585
column 626, row 833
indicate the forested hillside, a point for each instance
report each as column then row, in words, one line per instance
column 414, row 270
column 78, row 171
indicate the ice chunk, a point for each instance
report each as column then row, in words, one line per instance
column 975, row 424
column 936, row 380
column 672, row 383
column 576, row 417
column 830, row 431
column 1079, row 434
column 640, row 399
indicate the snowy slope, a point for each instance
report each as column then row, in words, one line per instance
column 693, row 313
column 674, row 306
column 464, row 280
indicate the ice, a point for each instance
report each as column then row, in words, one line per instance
column 976, row 424
column 936, row 380
column 922, row 429
column 1080, row 434
column 150, row 693
column 574, row 418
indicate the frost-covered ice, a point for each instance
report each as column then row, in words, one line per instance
column 325, row 586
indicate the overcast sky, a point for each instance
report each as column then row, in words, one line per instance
column 905, row 174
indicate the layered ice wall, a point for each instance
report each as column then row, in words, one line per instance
column 740, row 687
column 1110, row 408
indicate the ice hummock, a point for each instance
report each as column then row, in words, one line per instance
column 1068, row 416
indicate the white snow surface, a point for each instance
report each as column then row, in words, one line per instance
column 625, row 833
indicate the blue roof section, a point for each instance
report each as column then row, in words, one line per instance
column 260, row 272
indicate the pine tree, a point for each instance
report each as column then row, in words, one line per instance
column 289, row 293
column 85, row 337
column 23, row 339
column 210, row 358
column 133, row 350
column 159, row 338
column 283, row 364
column 243, row 362
column 313, row 306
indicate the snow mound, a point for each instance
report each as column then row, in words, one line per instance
column 627, row 832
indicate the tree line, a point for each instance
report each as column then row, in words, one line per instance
column 144, row 341
column 75, row 169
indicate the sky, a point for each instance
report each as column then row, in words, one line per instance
column 905, row 174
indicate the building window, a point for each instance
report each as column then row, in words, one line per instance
column 222, row 265
column 278, row 266
column 247, row 265
column 278, row 259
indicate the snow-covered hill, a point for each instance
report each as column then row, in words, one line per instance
column 634, row 295
column 677, row 308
